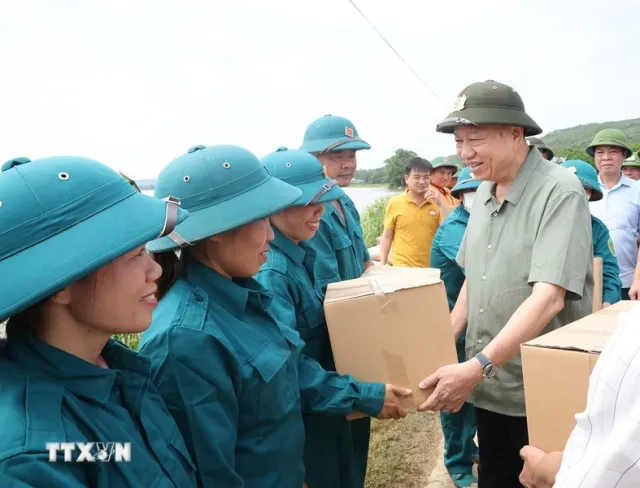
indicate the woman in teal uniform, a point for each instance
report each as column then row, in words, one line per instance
column 459, row 429
column 288, row 274
column 339, row 242
column 231, row 373
column 602, row 243
column 72, row 236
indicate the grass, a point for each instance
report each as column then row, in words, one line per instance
column 129, row 340
column 372, row 220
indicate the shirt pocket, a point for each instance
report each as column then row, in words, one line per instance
column 340, row 241
column 276, row 392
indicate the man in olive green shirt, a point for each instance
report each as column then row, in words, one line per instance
column 527, row 256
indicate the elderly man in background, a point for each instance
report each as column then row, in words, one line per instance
column 546, row 152
column 619, row 208
column 631, row 167
column 527, row 256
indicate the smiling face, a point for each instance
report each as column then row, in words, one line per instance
column 117, row 298
column 441, row 177
column 489, row 150
column 299, row 223
column 339, row 165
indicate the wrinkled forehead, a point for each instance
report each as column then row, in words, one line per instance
column 468, row 131
column 614, row 149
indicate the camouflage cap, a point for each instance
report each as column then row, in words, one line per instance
column 539, row 143
column 489, row 102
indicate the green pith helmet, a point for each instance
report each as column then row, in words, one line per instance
column 610, row 137
column 587, row 176
column 489, row 102
column 539, row 143
column 632, row 161
column 444, row 162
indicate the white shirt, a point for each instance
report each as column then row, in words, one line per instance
column 619, row 209
column 603, row 450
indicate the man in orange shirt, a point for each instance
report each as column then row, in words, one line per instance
column 411, row 219
column 443, row 170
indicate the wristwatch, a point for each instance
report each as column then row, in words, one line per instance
column 489, row 369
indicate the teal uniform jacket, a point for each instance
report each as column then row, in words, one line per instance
column 459, row 428
column 603, row 248
column 288, row 275
column 48, row 395
column 235, row 381
column 340, row 249
column 340, row 255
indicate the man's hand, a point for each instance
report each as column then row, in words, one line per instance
column 433, row 196
column 634, row 291
column 531, row 457
column 453, row 384
column 391, row 408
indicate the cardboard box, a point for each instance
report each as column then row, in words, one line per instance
column 392, row 325
column 556, row 369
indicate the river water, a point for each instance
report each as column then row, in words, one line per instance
column 362, row 197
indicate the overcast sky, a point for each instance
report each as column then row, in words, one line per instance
column 135, row 83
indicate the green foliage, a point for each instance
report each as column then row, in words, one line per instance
column 394, row 167
column 371, row 176
column 571, row 143
column 129, row 340
column 372, row 220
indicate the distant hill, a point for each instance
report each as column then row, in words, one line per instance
column 580, row 136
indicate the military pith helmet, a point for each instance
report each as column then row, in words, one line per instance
column 489, row 102
column 539, row 143
column 444, row 162
column 332, row 133
column 466, row 181
column 587, row 176
column 610, row 137
column 632, row 161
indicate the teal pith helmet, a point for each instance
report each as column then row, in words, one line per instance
column 445, row 162
column 488, row 103
column 61, row 218
column 222, row 187
column 539, row 143
column 304, row 171
column 587, row 176
column 466, row 181
column 332, row 133
column 610, row 137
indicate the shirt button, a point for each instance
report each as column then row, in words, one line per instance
column 197, row 298
column 482, row 310
column 484, row 278
column 479, row 341
column 494, row 214
column 489, row 246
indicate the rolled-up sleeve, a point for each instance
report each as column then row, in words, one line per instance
column 563, row 250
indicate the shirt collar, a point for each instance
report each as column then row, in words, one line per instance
column 235, row 295
column 288, row 247
column 623, row 181
column 528, row 167
column 75, row 374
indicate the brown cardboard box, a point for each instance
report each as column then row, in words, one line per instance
column 556, row 368
column 392, row 325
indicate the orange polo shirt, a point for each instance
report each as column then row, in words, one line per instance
column 413, row 229
column 448, row 199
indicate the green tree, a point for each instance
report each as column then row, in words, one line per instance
column 394, row 167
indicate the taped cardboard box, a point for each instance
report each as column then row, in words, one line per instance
column 392, row 325
column 556, row 369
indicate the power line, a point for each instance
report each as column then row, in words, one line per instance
column 396, row 52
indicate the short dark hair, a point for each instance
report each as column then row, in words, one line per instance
column 419, row 164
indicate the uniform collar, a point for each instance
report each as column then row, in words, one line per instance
column 235, row 295
column 288, row 247
column 76, row 375
column 528, row 167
